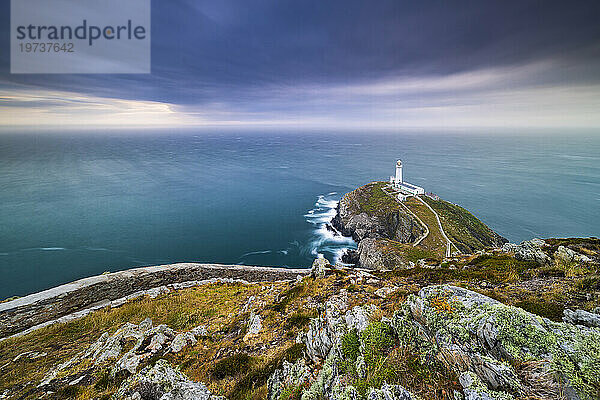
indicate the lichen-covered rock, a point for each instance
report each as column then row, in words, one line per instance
column 325, row 330
column 390, row 392
column 182, row 340
column 288, row 377
column 145, row 340
column 199, row 331
column 565, row 256
column 319, row 268
column 386, row 291
column 529, row 250
column 358, row 317
column 254, row 326
column 473, row 333
column 162, row 382
column 582, row 317
column 474, row 389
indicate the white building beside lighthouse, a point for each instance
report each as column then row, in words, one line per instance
column 406, row 188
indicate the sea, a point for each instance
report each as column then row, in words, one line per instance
column 78, row 204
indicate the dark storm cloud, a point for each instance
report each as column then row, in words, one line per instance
column 237, row 52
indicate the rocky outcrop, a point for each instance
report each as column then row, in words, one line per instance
column 475, row 334
column 542, row 253
column 144, row 342
column 289, row 376
column 390, row 392
column 566, row 256
column 582, row 317
column 377, row 254
column 113, row 289
column 319, row 268
column 162, row 382
column 393, row 223
column 371, row 228
column 529, row 250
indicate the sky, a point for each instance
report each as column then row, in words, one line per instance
column 337, row 64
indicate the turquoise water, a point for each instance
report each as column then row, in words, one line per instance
column 78, row 205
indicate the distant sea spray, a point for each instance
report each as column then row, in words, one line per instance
column 326, row 241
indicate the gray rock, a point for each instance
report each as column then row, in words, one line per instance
column 358, row 317
column 325, row 330
column 390, row 392
column 565, row 256
column 582, row 317
column 371, row 256
column 476, row 334
column 182, row 340
column 254, row 325
column 162, row 382
column 200, row 331
column 319, row 268
column 529, row 250
column 289, row 375
column 474, row 389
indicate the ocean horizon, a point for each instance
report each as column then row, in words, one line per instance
column 74, row 205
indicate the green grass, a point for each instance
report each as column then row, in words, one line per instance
column 374, row 201
column 258, row 375
column 409, row 252
column 287, row 297
column 300, row 319
column 434, row 242
column 464, row 229
column 542, row 307
column 231, row 366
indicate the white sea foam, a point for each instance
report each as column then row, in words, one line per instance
column 326, row 241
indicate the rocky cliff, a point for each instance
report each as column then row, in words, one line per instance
column 368, row 212
column 387, row 230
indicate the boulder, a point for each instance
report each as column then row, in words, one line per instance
column 529, row 250
column 582, row 317
column 289, row 375
column 390, row 392
column 319, row 268
column 162, row 382
column 254, row 325
column 476, row 334
column 200, row 331
column 182, row 340
column 474, row 389
column 565, row 256
column 385, row 291
column 325, row 330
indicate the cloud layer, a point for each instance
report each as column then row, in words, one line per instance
column 350, row 64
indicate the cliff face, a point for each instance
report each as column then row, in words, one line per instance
column 386, row 230
column 368, row 213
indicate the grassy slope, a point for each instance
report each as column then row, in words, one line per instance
column 466, row 231
column 373, row 201
column 239, row 368
column 284, row 311
column 434, row 242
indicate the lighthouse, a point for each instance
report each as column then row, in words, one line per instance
column 398, row 178
column 406, row 189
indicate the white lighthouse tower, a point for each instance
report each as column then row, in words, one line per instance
column 405, row 189
column 398, row 178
